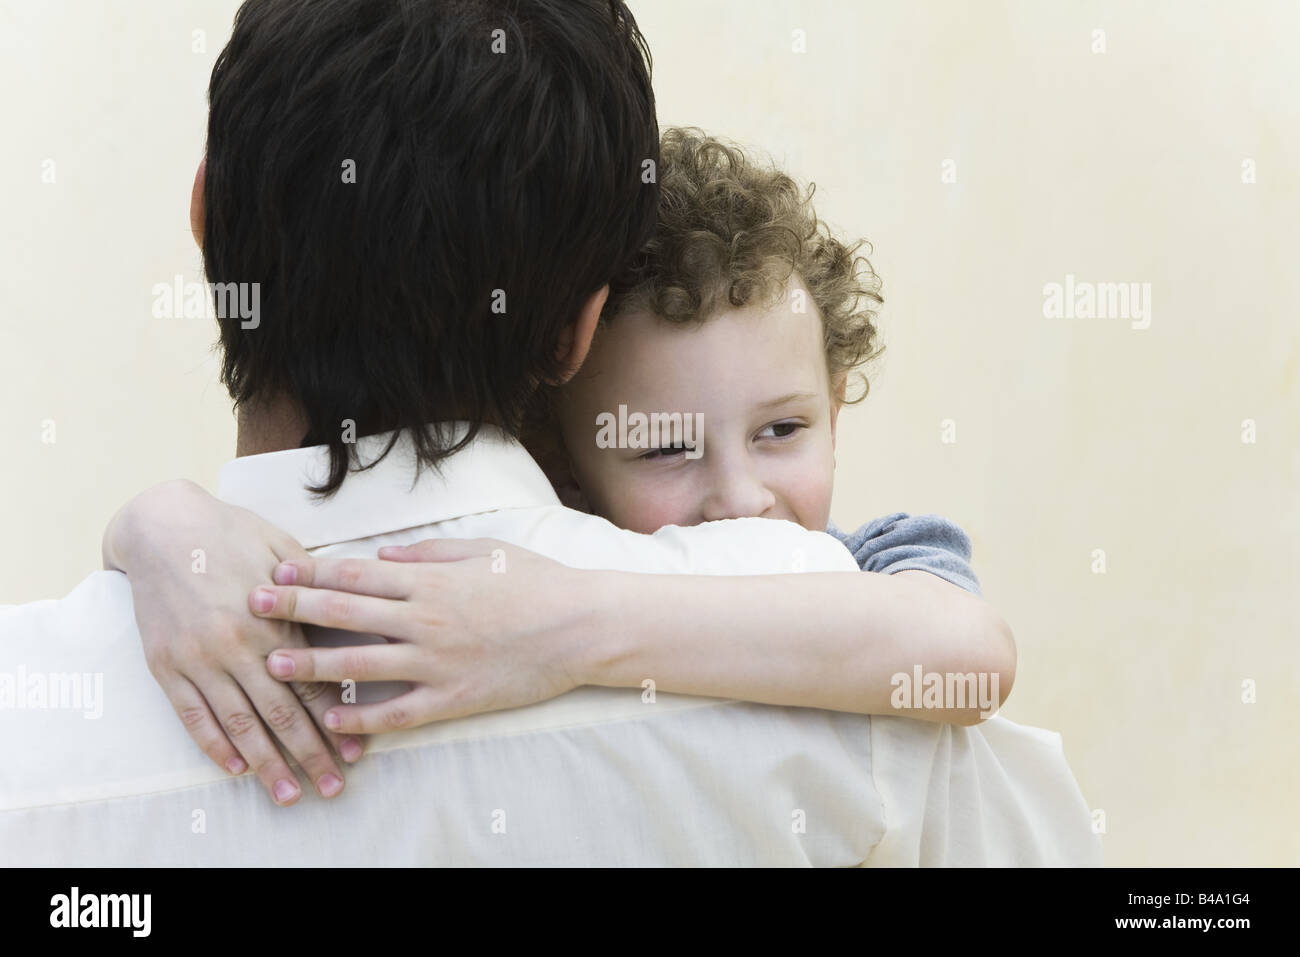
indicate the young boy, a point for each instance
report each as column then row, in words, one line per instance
column 736, row 332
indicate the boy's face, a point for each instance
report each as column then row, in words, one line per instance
column 753, row 385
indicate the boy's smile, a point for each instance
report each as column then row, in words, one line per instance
column 756, row 377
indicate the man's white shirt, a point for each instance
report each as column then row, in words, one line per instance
column 98, row 770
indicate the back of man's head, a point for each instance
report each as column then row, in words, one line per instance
column 427, row 192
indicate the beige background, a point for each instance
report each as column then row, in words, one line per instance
column 1072, row 435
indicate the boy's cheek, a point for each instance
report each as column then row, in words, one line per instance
column 809, row 491
column 647, row 507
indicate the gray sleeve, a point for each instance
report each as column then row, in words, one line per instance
column 900, row 541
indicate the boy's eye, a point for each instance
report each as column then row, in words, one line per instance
column 781, row 430
column 667, row 451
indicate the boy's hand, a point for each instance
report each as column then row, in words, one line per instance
column 191, row 560
column 475, row 624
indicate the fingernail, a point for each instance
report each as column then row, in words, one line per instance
column 285, row 790
column 332, row 720
column 350, row 749
column 281, row 665
column 236, row 766
column 263, row 599
column 285, row 574
column 330, row 785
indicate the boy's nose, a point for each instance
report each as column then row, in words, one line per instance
column 737, row 496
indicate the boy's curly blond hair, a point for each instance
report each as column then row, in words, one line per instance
column 731, row 230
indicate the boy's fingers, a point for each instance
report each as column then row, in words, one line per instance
column 244, row 728
column 330, row 609
column 410, row 710
column 362, row 576
column 441, row 550
column 390, row 662
column 318, row 697
column 287, row 718
column 202, row 725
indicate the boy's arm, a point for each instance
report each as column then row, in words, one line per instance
column 835, row 640
column 191, row 560
column 862, row 643
column 474, row 640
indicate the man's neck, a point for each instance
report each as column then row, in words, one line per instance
column 276, row 425
column 269, row 427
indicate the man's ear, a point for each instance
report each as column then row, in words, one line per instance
column 196, row 203
column 575, row 338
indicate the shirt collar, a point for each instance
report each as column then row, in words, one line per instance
column 492, row 472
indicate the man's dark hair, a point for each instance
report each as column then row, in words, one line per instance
column 482, row 178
